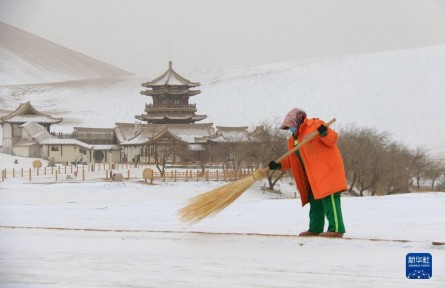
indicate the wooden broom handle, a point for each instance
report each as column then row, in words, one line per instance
column 306, row 139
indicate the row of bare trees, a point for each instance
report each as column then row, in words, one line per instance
column 375, row 163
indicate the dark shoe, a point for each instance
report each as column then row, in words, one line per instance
column 307, row 234
column 331, row 234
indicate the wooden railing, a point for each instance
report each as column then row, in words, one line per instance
column 101, row 172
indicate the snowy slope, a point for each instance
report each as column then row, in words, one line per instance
column 26, row 58
column 399, row 91
column 90, row 103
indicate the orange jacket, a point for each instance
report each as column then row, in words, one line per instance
column 323, row 170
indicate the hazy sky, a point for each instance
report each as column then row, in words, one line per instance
column 136, row 35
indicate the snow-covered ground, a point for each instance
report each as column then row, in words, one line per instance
column 128, row 235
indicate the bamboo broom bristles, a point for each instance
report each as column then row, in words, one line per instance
column 212, row 202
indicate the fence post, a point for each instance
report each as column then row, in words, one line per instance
column 207, row 175
column 106, row 174
column 58, row 168
column 128, row 171
column 83, row 173
column 56, row 175
column 44, row 170
column 29, row 174
column 186, row 176
column 3, row 175
column 38, row 171
column 21, row 173
column 13, row 173
column 52, row 170
column 175, row 175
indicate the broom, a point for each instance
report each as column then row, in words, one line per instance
column 212, row 202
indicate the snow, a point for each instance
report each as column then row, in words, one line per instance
column 154, row 249
column 7, row 162
column 399, row 92
column 127, row 234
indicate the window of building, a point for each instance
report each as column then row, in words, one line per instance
column 54, row 148
column 82, row 151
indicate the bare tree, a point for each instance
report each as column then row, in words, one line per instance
column 233, row 151
column 268, row 143
column 434, row 170
column 396, row 174
column 162, row 153
column 363, row 151
column 202, row 157
column 200, row 154
column 419, row 164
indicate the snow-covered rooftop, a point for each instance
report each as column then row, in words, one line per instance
column 170, row 77
column 38, row 132
column 25, row 112
column 58, row 141
column 148, row 132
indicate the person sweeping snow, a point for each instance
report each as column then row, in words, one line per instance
column 212, row 202
column 318, row 171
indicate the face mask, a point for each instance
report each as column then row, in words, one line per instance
column 293, row 129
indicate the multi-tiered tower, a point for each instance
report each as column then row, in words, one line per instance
column 170, row 93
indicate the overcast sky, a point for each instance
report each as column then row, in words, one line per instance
column 140, row 36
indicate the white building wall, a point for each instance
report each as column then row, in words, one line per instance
column 116, row 156
column 44, row 151
column 67, row 153
column 7, row 139
column 16, row 131
column 22, row 151
column 34, row 151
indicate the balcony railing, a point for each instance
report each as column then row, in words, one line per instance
column 170, row 106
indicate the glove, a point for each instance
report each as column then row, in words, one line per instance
column 322, row 130
column 274, row 165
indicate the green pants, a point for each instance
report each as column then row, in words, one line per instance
column 328, row 207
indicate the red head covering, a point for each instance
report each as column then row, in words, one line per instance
column 294, row 118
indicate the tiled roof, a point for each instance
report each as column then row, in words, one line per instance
column 37, row 131
column 26, row 113
column 183, row 132
column 170, row 77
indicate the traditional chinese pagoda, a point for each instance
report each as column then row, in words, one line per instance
column 170, row 93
